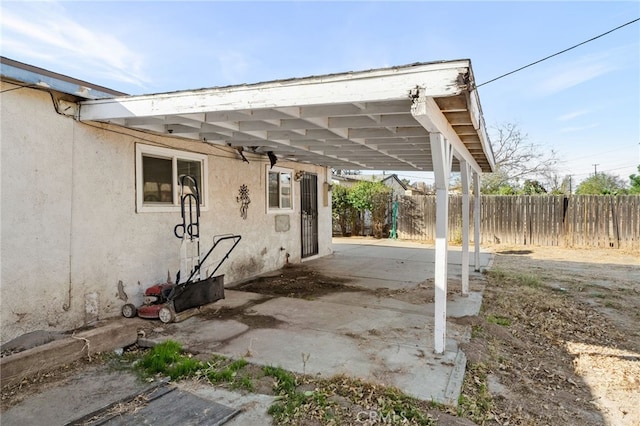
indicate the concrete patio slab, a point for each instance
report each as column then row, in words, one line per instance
column 355, row 333
column 388, row 263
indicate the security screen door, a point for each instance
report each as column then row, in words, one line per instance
column 309, row 214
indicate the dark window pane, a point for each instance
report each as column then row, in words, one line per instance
column 156, row 180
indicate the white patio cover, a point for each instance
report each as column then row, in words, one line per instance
column 419, row 117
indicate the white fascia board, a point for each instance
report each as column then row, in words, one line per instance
column 477, row 118
column 428, row 114
column 441, row 79
column 475, row 111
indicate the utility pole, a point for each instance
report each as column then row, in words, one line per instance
column 595, row 169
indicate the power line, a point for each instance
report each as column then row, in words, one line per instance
column 559, row 53
column 610, row 169
column 597, row 154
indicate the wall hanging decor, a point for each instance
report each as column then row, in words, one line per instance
column 244, row 200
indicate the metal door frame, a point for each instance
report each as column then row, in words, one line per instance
column 309, row 214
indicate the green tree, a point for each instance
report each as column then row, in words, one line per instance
column 635, row 183
column 341, row 208
column 533, row 187
column 506, row 189
column 380, row 199
column 602, row 184
column 373, row 197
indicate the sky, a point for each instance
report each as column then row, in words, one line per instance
column 584, row 103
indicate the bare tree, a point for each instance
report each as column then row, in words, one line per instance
column 558, row 185
column 517, row 159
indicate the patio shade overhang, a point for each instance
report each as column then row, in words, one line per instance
column 370, row 120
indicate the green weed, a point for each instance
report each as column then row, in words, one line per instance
column 285, row 381
column 243, row 382
column 185, row 367
column 500, row 320
column 220, row 370
column 167, row 358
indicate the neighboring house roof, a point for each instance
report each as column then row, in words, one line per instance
column 378, row 119
column 39, row 77
column 394, row 177
column 386, row 179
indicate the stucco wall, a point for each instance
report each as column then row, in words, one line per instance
column 70, row 230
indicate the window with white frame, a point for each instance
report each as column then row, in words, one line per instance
column 158, row 172
column 279, row 189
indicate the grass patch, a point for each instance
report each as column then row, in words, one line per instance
column 502, row 276
column 285, row 381
column 500, row 320
column 224, row 370
column 291, row 404
column 167, row 359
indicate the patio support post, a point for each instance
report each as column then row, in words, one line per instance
column 442, row 156
column 465, row 170
column 476, row 219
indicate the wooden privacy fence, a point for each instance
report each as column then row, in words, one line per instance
column 553, row 220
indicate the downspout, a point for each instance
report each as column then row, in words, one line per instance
column 67, row 305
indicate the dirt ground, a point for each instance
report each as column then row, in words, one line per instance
column 295, row 281
column 557, row 340
column 303, row 282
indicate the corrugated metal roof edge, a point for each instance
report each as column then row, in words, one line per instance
column 40, row 77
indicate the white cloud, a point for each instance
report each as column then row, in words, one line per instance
column 571, row 115
column 572, row 75
column 579, row 128
column 583, row 69
column 47, row 31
